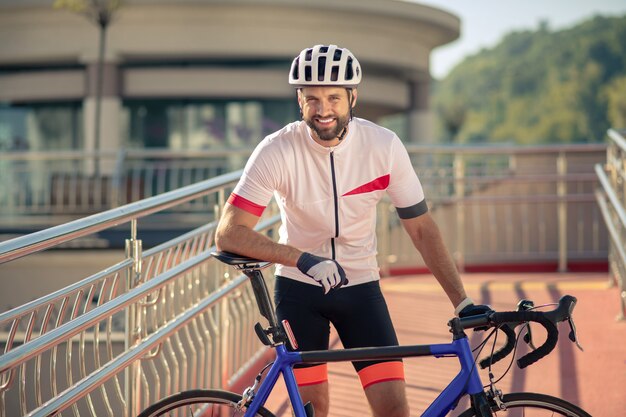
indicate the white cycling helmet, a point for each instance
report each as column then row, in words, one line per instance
column 324, row 65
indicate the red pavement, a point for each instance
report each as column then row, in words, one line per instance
column 594, row 379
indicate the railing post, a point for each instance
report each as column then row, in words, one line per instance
column 617, row 167
column 117, row 180
column 612, row 174
column 459, row 192
column 133, row 325
column 561, row 190
column 611, row 198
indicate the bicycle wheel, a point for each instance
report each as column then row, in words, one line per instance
column 206, row 403
column 527, row 404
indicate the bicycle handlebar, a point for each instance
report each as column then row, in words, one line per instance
column 508, row 320
column 505, row 320
column 504, row 351
column 536, row 316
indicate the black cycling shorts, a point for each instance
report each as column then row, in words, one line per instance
column 358, row 313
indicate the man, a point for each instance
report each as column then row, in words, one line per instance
column 327, row 173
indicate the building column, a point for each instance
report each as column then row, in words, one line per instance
column 421, row 117
column 110, row 107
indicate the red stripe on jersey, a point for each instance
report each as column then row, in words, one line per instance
column 246, row 205
column 380, row 183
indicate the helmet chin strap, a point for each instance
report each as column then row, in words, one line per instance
column 345, row 129
column 351, row 103
column 342, row 134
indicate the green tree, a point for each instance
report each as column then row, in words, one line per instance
column 616, row 98
column 538, row 87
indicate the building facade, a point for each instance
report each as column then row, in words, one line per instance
column 202, row 74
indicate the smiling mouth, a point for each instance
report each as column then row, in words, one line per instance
column 325, row 121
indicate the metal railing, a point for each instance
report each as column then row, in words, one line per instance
column 64, row 184
column 160, row 321
column 169, row 318
column 611, row 198
column 510, row 203
column 506, row 205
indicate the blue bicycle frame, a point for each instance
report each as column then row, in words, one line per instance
column 467, row 381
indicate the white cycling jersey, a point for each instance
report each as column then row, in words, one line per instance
column 327, row 196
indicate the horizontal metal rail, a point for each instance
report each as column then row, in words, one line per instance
column 97, row 378
column 613, row 231
column 617, row 138
column 607, row 188
column 26, row 351
column 51, row 237
column 501, row 204
column 127, row 153
column 53, row 297
column 70, row 337
column 495, row 149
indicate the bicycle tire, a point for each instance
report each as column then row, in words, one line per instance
column 533, row 405
column 218, row 403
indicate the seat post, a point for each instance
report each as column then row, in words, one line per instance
column 251, row 268
column 261, row 293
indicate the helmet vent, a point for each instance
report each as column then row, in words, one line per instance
column 325, row 65
column 295, row 73
column 349, row 72
column 321, row 68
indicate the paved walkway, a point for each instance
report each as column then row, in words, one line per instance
column 594, row 379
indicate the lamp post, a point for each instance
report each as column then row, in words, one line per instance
column 99, row 12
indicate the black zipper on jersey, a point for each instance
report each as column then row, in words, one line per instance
column 336, row 200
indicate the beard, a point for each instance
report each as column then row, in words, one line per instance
column 328, row 134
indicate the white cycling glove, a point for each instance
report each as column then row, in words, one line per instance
column 323, row 270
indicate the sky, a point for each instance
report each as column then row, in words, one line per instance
column 485, row 22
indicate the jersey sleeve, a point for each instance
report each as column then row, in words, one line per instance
column 405, row 189
column 258, row 182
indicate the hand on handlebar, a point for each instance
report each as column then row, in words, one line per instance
column 323, row 270
column 508, row 320
column 467, row 308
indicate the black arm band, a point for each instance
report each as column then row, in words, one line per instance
column 412, row 211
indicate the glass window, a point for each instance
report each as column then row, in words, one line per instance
column 184, row 124
column 41, row 127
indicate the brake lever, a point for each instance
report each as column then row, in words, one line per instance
column 528, row 337
column 573, row 336
column 564, row 313
column 526, row 305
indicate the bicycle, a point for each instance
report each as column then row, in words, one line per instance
column 485, row 400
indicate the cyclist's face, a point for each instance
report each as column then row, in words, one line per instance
column 326, row 110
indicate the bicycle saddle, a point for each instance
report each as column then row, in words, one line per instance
column 235, row 259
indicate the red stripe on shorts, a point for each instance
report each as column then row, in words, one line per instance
column 381, row 372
